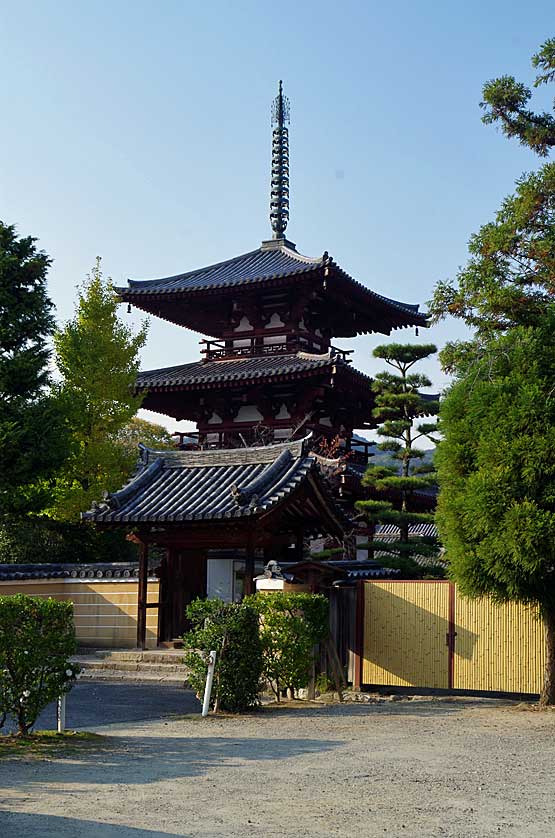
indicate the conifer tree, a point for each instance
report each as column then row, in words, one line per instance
column 496, row 508
column 505, row 101
column 97, row 357
column 402, row 410
column 32, row 435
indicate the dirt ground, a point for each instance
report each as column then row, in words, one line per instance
column 427, row 767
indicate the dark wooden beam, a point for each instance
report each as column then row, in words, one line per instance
column 249, row 586
column 142, row 595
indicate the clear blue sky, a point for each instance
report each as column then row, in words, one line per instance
column 140, row 132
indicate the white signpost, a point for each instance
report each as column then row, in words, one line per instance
column 61, row 713
column 209, row 680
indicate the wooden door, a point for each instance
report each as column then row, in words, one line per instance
column 408, row 634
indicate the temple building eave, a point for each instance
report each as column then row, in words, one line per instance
column 355, row 308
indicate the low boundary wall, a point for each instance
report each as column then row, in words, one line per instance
column 105, row 610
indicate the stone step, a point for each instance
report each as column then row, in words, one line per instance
column 133, row 665
column 166, row 657
column 134, row 677
column 129, row 666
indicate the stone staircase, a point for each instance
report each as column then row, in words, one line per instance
column 161, row 665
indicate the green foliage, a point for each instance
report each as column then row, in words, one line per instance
column 97, row 356
column 37, row 639
column 332, row 553
column 496, row 508
column 509, row 278
column 33, row 540
column 140, row 431
column 290, row 626
column 32, row 437
column 505, row 101
column 231, row 629
column 401, row 408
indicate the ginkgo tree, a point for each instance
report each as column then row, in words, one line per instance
column 97, row 356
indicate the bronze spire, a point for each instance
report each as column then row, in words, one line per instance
column 279, row 192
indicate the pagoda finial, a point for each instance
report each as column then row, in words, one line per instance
column 279, row 192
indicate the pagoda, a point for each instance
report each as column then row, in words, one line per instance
column 268, row 396
column 269, row 372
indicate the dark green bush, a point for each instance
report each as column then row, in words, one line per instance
column 37, row 638
column 232, row 630
column 290, row 626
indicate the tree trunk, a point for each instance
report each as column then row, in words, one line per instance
column 547, row 696
column 22, row 724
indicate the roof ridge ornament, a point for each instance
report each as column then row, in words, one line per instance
column 279, row 190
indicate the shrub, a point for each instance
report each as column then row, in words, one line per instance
column 41, row 539
column 36, row 640
column 232, row 630
column 290, row 626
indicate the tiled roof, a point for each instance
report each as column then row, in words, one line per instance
column 255, row 266
column 391, row 532
column 100, row 570
column 240, row 369
column 372, row 573
column 272, row 261
column 345, row 568
column 187, row 486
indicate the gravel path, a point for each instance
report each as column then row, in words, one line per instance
column 94, row 704
column 434, row 767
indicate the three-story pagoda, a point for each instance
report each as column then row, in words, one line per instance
column 268, row 372
column 268, row 391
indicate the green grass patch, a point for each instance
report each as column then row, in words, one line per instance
column 48, row 743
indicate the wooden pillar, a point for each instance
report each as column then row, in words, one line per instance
column 299, row 545
column 359, row 637
column 163, row 598
column 142, row 595
column 249, row 586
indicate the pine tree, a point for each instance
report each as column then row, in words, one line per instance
column 32, row 435
column 401, row 409
column 506, row 101
column 97, row 357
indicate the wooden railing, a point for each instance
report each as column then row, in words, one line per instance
column 217, row 350
column 357, row 451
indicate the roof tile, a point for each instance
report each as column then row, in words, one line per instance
column 179, row 486
column 210, row 372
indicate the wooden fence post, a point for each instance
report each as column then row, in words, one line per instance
column 359, row 637
column 142, row 595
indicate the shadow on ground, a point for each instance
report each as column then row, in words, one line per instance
column 146, row 759
column 93, row 704
column 15, row 825
column 401, row 707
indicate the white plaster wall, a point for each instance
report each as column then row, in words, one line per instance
column 361, row 554
column 248, row 413
column 219, row 579
column 283, row 412
column 244, row 325
column 282, row 433
column 274, row 322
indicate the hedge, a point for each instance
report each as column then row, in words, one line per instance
column 37, row 638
